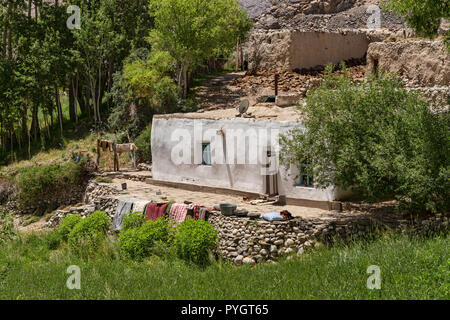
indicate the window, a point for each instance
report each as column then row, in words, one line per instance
column 305, row 178
column 206, row 153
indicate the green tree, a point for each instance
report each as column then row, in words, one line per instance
column 192, row 31
column 423, row 15
column 375, row 138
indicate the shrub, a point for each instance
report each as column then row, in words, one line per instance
column 375, row 138
column 137, row 243
column 7, row 230
column 143, row 144
column 133, row 220
column 90, row 230
column 130, row 244
column 49, row 182
column 53, row 239
column 194, row 240
column 67, row 224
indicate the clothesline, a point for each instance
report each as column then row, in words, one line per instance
column 176, row 212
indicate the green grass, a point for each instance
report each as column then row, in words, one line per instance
column 411, row 268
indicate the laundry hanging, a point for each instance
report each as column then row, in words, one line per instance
column 124, row 207
column 178, row 212
column 154, row 211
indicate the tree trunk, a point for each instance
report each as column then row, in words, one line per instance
column 99, row 90
column 71, row 101
column 87, row 102
column 237, row 56
column 94, row 101
column 58, row 106
column 75, row 94
column 6, row 41
column 81, row 98
column 35, row 129
column 12, row 146
column 5, row 33
column 183, row 81
column 24, row 121
column 29, row 146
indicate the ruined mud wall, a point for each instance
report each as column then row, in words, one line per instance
column 288, row 50
column 421, row 63
column 311, row 49
column 269, row 50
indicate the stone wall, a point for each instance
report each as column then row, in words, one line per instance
column 244, row 240
column 253, row 240
column 95, row 197
column 58, row 199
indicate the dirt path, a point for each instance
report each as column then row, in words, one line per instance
column 32, row 227
column 219, row 92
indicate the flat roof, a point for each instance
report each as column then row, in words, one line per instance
column 260, row 111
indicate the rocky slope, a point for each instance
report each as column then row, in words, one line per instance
column 316, row 14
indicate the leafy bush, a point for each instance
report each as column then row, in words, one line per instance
column 49, row 182
column 137, row 243
column 67, row 224
column 194, row 240
column 375, row 138
column 7, row 230
column 143, row 88
column 150, row 80
column 90, row 230
column 133, row 220
column 53, row 239
column 143, row 143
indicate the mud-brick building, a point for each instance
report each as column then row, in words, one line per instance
column 217, row 150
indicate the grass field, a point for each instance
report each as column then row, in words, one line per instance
column 411, row 268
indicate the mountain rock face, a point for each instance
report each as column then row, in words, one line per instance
column 316, row 14
column 256, row 8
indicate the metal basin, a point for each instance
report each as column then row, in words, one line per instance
column 227, row 209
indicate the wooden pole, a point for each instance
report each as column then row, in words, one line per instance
column 116, row 159
column 276, row 84
column 98, row 153
column 237, row 56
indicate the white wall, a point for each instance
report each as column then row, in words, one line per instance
column 171, row 135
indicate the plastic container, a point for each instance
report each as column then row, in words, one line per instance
column 227, row 209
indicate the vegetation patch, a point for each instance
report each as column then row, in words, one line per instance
column 410, row 268
column 375, row 138
column 50, row 182
column 137, row 243
column 89, row 232
column 143, row 144
column 195, row 240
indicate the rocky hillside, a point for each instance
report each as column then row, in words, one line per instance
column 315, row 14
